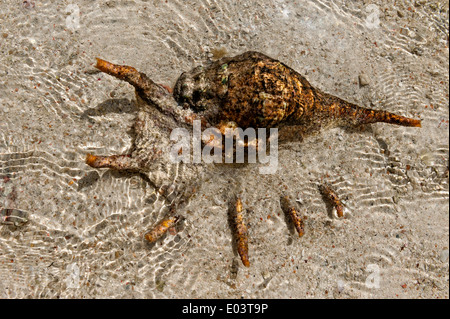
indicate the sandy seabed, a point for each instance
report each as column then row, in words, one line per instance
column 83, row 238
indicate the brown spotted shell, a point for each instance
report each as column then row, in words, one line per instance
column 254, row 90
column 251, row 89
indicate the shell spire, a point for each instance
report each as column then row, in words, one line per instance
column 325, row 110
column 358, row 116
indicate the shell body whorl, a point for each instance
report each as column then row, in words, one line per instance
column 250, row 89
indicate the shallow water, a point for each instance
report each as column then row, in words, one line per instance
column 83, row 238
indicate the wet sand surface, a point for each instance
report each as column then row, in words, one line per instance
column 84, row 235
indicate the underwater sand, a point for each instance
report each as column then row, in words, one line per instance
column 83, row 238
